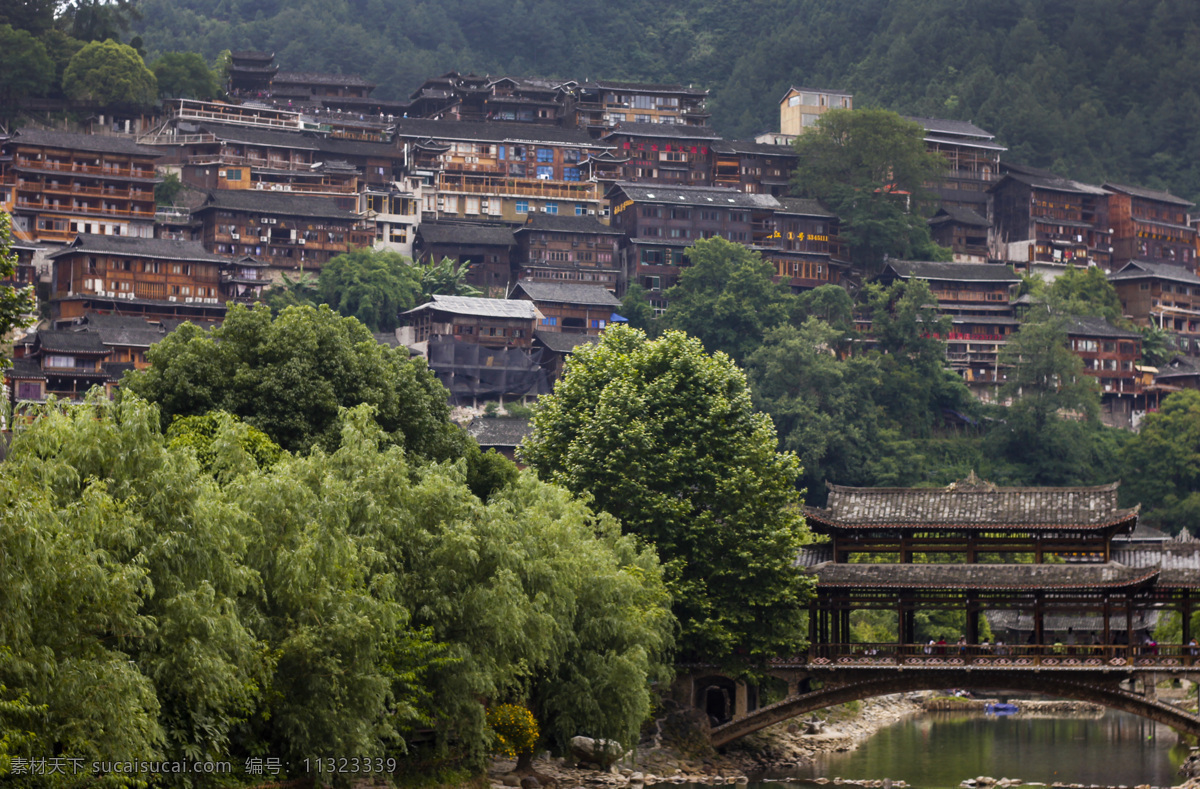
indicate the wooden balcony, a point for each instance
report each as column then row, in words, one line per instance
column 85, row 169
column 521, row 187
column 253, row 162
column 42, row 205
column 96, row 191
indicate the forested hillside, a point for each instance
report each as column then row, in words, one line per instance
column 1102, row 89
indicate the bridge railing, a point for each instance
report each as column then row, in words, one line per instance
column 1165, row 656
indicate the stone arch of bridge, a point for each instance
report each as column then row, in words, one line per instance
column 1071, row 686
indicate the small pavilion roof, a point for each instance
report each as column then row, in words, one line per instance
column 996, row 577
column 971, row 504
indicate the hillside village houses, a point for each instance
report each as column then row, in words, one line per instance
column 556, row 194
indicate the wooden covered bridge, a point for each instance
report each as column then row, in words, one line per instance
column 1042, row 560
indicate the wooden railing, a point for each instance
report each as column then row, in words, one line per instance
column 88, row 210
column 87, row 169
column 97, row 191
column 1008, row 656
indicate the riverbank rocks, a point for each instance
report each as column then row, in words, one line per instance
column 603, row 753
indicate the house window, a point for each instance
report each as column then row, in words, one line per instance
column 54, row 360
column 545, row 172
column 597, row 324
column 551, row 208
column 522, row 206
column 549, row 321
column 29, row 390
column 580, row 209
column 545, row 154
column 570, row 173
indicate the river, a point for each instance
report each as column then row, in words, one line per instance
column 939, row 750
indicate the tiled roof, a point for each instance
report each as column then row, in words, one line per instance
column 945, row 126
column 508, row 432
column 830, row 91
column 1053, row 183
column 667, row 130
column 1179, row 367
column 1149, row 194
column 1091, row 326
column 566, row 223
column 650, row 87
column 129, row 331
column 971, row 504
column 252, row 54
column 568, row 293
column 977, row 272
column 271, row 138
column 694, row 195
column 803, row 206
column 973, row 142
column 1147, row 269
column 158, row 248
column 264, row 202
column 25, row 370
column 564, row 342
column 983, row 576
column 466, row 233
column 470, row 305
column 58, row 341
column 97, row 143
column 753, row 147
column 340, row 147
column 522, row 133
column 963, row 216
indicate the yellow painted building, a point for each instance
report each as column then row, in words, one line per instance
column 800, row 108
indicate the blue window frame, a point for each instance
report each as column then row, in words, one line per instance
column 580, row 209
column 545, row 154
column 522, row 206
column 545, row 172
column 570, row 173
column 549, row 321
column 551, row 208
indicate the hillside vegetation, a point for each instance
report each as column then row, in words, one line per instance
column 1103, row 89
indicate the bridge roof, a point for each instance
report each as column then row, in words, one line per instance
column 970, row 504
column 980, row 577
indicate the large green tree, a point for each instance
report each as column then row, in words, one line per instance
column 1162, row 463
column 110, row 74
column 727, row 297
column 27, row 68
column 289, row 376
column 664, row 436
column 1084, row 291
column 870, row 167
column 185, row 75
column 373, row 286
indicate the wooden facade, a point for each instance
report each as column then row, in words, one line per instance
column 494, row 323
column 1041, row 220
column 61, row 364
column 973, row 162
column 568, row 249
column 136, row 276
column 1150, row 225
column 568, row 307
column 963, row 230
column 668, row 154
column 755, row 167
column 606, row 103
column 59, row 184
column 803, row 245
column 1163, row 295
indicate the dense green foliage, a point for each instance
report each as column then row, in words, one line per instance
column 664, row 436
column 870, row 168
column 1097, row 90
column 290, row 376
column 27, row 69
column 14, row 304
column 111, row 75
column 185, row 75
column 319, row 605
column 1163, row 465
column 373, row 286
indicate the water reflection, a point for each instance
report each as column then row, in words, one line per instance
column 939, row 750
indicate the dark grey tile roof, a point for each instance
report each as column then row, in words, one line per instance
column 674, row 131
column 963, row 216
column 1054, row 183
column 505, row 432
column 694, row 195
column 1179, row 367
column 271, row 138
column 983, row 576
column 252, row 54
column 973, row 142
column 59, row 341
column 932, row 270
column 830, row 91
column 488, row 308
column 564, row 342
column 647, row 87
column 1149, row 194
column 803, row 206
column 756, row 148
column 1091, row 326
column 466, row 233
column 567, row 223
column 567, row 293
column 387, row 338
column 159, row 248
column 24, row 369
column 945, row 126
column 340, row 147
column 522, row 133
column 123, row 330
column 1147, row 269
column 281, row 203
column 971, row 504
column 96, row 143
column 117, row 369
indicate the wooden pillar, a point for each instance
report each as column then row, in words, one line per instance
column 835, row 630
column 846, row 625
column 1039, row 634
column 905, row 551
column 972, row 558
column 812, row 626
column 1037, row 553
column 972, row 621
column 1129, row 622
column 1185, row 612
column 1107, row 617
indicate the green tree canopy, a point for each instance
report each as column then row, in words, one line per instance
column 289, row 376
column 635, row 308
column 726, row 297
column 185, row 75
column 1163, row 464
column 26, row 66
column 111, row 75
column 445, row 278
column 664, row 436
column 14, row 304
column 1084, row 291
column 870, row 168
column 373, row 286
